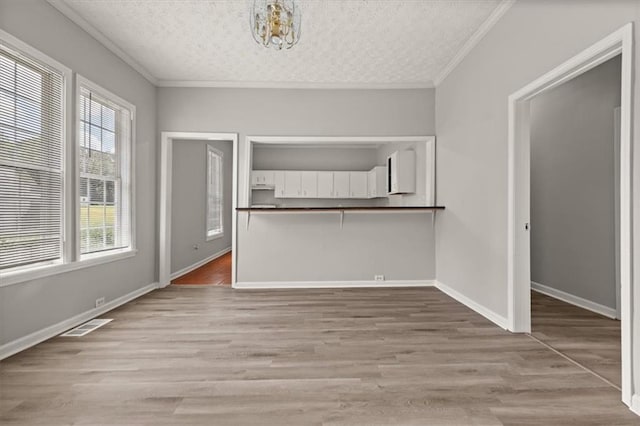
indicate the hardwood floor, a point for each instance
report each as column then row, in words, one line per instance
column 216, row 272
column 214, row 355
column 586, row 337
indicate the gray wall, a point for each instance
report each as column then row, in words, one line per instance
column 313, row 247
column 271, row 244
column 572, row 185
column 31, row 306
column 308, row 113
column 189, row 202
column 531, row 38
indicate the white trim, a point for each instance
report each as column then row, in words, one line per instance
column 518, row 259
column 31, row 51
column 39, row 336
column 293, row 84
column 214, row 236
column 129, row 156
column 635, row 404
column 23, row 274
column 200, row 263
column 468, row 46
column 82, row 81
column 617, row 122
column 574, row 300
column 35, row 273
column 338, row 140
column 67, row 11
column 164, row 223
column 495, row 318
column 331, row 284
column 209, row 150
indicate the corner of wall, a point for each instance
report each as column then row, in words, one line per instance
column 492, row 316
column 635, row 404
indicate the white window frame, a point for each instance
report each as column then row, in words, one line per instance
column 115, row 254
column 33, row 271
column 71, row 260
column 211, row 237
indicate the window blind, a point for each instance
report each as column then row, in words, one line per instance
column 214, row 192
column 104, row 173
column 31, row 161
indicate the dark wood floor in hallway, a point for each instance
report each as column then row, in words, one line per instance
column 584, row 336
column 214, row 355
column 216, row 272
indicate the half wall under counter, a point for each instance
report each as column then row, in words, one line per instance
column 307, row 247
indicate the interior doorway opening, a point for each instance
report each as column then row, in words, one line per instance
column 215, row 272
column 216, row 155
column 574, row 234
column 201, row 212
column 519, row 190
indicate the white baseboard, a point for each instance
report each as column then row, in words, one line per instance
column 196, row 265
column 39, row 336
column 499, row 320
column 331, row 284
column 574, row 300
column 635, row 404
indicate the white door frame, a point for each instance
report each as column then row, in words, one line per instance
column 164, row 229
column 616, row 216
column 518, row 245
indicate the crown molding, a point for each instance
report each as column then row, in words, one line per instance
column 486, row 26
column 290, row 85
column 67, row 11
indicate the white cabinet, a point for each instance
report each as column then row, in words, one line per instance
column 377, row 182
column 401, row 172
column 292, row 184
column 309, row 184
column 279, row 184
column 325, row 184
column 341, row 184
column 262, row 178
column 358, row 185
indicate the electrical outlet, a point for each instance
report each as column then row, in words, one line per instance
column 99, row 302
column 379, row 277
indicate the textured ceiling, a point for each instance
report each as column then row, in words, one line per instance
column 344, row 42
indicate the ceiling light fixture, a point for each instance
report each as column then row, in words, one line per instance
column 276, row 23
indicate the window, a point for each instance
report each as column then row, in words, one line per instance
column 31, row 161
column 104, row 171
column 214, row 193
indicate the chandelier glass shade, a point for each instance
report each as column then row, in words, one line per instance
column 276, row 23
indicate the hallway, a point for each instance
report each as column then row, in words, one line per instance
column 590, row 339
column 216, row 272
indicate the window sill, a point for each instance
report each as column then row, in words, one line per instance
column 17, row 277
column 215, row 237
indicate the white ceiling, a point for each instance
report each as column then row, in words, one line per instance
column 344, row 43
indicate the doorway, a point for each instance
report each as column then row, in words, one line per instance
column 210, row 265
column 519, row 186
column 201, row 212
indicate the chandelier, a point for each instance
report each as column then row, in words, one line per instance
column 276, row 23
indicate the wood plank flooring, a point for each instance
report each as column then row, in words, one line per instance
column 586, row 337
column 216, row 272
column 217, row 356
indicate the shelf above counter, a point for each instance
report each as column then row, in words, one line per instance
column 340, row 210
